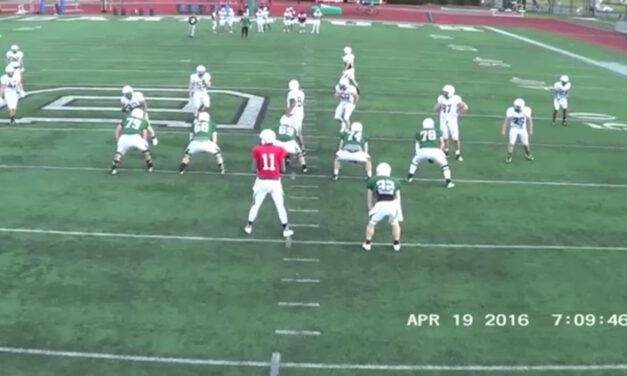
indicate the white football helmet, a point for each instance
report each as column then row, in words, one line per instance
column 564, row 79
column 383, row 169
column 357, row 127
column 137, row 113
column 267, row 136
column 293, row 85
column 449, row 90
column 204, row 117
column 285, row 120
column 201, row 70
column 9, row 70
column 343, row 82
column 519, row 104
column 428, row 123
column 348, row 50
column 127, row 90
column 15, row 48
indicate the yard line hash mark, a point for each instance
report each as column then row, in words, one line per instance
column 288, row 259
column 299, row 280
column 329, row 366
column 309, row 225
column 275, row 363
column 309, row 242
column 298, row 304
column 297, row 332
column 303, row 210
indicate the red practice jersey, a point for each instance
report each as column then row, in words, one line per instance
column 268, row 159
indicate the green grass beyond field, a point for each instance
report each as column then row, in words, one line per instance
column 167, row 271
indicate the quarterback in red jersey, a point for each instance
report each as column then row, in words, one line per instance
column 269, row 162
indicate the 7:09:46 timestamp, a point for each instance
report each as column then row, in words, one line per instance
column 590, row 319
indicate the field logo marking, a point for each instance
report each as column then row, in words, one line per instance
column 440, row 36
column 458, row 28
column 530, row 84
column 490, row 62
column 459, row 47
column 249, row 115
column 601, row 121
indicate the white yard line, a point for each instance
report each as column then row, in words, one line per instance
column 305, row 197
column 306, row 186
column 298, row 304
column 303, row 210
column 299, row 280
column 117, row 235
column 239, row 134
column 248, row 174
column 327, row 366
column 306, row 225
column 290, row 259
column 297, row 332
column 620, row 69
column 275, row 363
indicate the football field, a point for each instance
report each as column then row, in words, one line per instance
column 152, row 274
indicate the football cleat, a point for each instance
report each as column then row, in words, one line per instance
column 287, row 232
column 334, row 177
column 155, row 141
column 459, row 158
column 396, row 247
column 529, row 157
column 114, row 172
column 564, row 124
column 248, row 229
column 450, row 184
column 508, row 159
column 366, row 246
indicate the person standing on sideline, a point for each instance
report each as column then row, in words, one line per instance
column 317, row 16
column 245, row 25
column 192, row 21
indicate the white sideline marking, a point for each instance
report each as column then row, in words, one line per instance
column 305, row 197
column 132, row 358
column 275, row 363
column 303, row 210
column 298, row 304
column 372, row 367
column 471, row 181
column 297, row 332
column 306, row 186
column 288, row 259
column 611, row 66
column 299, row 280
column 297, row 225
column 309, row 242
column 390, row 139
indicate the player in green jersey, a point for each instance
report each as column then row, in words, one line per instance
column 429, row 144
column 288, row 138
column 384, row 201
column 203, row 139
column 132, row 133
column 353, row 148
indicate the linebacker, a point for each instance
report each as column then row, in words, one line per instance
column 132, row 133
column 203, row 139
column 384, row 201
column 518, row 120
column 11, row 90
column 135, row 99
column 560, row 99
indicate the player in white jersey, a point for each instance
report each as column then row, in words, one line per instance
column 518, row 120
column 14, row 55
column 348, row 63
column 260, row 20
column 295, row 109
column 199, row 82
column 10, row 92
column 222, row 14
column 17, row 72
column 203, row 138
column 266, row 18
column 348, row 97
column 449, row 106
column 131, row 100
column 429, row 142
column 317, row 16
column 561, row 89
column 288, row 138
column 230, row 17
column 287, row 14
